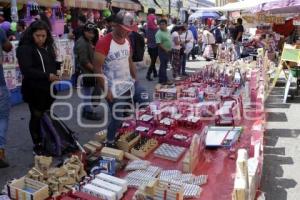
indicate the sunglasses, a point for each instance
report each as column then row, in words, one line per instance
column 91, row 26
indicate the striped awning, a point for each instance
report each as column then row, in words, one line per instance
column 46, row 3
column 90, row 4
column 126, row 4
column 150, row 4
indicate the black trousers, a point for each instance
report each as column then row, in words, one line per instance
column 35, row 124
column 153, row 52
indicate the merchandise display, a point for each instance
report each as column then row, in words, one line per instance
column 169, row 152
column 173, row 148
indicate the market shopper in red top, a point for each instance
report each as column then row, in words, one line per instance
column 114, row 62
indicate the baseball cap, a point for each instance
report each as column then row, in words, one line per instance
column 125, row 20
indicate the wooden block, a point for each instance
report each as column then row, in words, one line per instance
column 89, row 148
column 124, row 145
column 95, row 144
column 110, row 152
column 150, row 187
column 17, row 189
column 101, row 136
column 130, row 156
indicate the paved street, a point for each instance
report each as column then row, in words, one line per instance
column 282, row 141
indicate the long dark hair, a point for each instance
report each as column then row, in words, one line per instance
column 27, row 36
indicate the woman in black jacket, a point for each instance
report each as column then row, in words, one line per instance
column 37, row 61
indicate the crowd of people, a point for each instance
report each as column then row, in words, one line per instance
column 111, row 52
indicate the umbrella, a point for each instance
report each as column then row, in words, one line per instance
column 222, row 18
column 204, row 15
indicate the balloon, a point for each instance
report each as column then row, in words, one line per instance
column 13, row 26
column 5, row 26
column 106, row 13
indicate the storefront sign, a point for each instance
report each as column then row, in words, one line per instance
column 262, row 18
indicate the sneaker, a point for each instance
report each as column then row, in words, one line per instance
column 91, row 115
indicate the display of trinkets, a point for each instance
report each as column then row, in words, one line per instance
column 166, row 190
column 169, row 152
column 142, row 177
column 144, row 147
column 169, row 175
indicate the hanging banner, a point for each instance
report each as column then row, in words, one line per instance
column 262, row 18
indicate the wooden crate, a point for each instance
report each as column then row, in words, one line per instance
column 27, row 189
column 146, row 149
column 127, row 146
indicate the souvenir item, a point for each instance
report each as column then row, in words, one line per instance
column 127, row 140
column 144, row 147
column 169, row 152
column 137, row 165
column 110, row 152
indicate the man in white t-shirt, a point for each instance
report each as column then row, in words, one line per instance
column 113, row 61
column 187, row 39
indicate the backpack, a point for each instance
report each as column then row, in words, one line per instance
column 138, row 46
column 57, row 138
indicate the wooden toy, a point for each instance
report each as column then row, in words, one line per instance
column 169, row 152
column 128, row 140
column 137, row 165
column 165, row 190
column 111, row 179
column 144, row 147
column 27, row 189
column 109, row 186
column 95, row 144
column 110, row 152
column 130, row 156
column 99, row 192
column 191, row 191
column 90, row 149
column 191, row 158
column 101, row 136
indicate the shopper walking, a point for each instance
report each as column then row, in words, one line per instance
column 163, row 40
column 238, row 38
column 37, row 61
column 113, row 61
column 209, row 41
column 151, row 43
column 176, row 46
column 187, row 41
column 193, row 28
column 84, row 57
column 4, row 100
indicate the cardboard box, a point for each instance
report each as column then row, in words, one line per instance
column 27, row 189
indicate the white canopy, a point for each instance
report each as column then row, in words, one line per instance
column 241, row 5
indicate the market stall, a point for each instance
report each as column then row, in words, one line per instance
column 199, row 139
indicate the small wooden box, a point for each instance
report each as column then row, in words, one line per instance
column 27, row 189
column 110, row 152
column 124, row 145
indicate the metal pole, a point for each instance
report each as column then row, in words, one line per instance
column 169, row 8
column 14, row 11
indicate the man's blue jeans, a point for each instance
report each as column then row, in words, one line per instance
column 183, row 64
column 118, row 106
column 238, row 49
column 164, row 59
column 4, row 114
column 87, row 92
